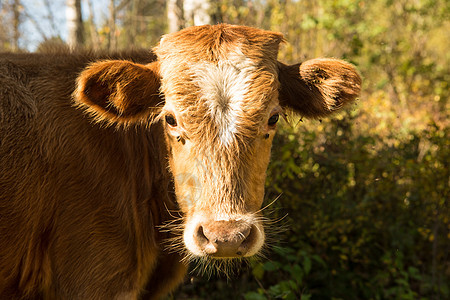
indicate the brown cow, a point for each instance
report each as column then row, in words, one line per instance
column 95, row 156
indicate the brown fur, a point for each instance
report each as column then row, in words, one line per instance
column 79, row 203
column 130, row 88
column 84, row 186
column 328, row 84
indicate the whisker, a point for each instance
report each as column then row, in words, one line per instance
column 271, row 221
column 271, row 203
column 168, row 210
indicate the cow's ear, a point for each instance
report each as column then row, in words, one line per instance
column 119, row 92
column 318, row 87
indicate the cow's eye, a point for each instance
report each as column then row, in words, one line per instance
column 171, row 120
column 273, row 119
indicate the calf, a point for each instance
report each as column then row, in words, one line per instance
column 96, row 156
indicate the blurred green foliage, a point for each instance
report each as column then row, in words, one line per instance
column 368, row 220
column 364, row 206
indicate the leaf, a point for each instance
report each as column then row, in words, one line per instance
column 254, row 296
column 258, row 271
column 307, row 264
column 296, row 272
column 271, row 266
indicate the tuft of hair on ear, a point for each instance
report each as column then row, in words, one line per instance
column 318, row 87
column 119, row 92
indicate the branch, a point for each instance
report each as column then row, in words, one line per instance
column 36, row 25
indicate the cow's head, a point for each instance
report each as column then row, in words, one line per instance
column 220, row 92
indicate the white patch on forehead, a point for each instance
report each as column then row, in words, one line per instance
column 223, row 86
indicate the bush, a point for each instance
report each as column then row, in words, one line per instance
column 368, row 219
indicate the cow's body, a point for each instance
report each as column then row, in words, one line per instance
column 84, row 191
column 79, row 204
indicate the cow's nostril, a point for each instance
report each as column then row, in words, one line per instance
column 201, row 237
column 208, row 244
column 250, row 237
column 244, row 234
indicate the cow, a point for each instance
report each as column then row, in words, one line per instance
column 117, row 171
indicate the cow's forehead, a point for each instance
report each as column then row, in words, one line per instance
column 216, row 42
column 220, row 77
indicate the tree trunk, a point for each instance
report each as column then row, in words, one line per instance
column 132, row 23
column 16, row 24
column 74, row 24
column 197, row 12
column 92, row 28
column 112, row 26
column 175, row 15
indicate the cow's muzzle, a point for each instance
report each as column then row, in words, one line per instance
column 227, row 239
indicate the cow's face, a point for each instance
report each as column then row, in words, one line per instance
column 221, row 109
column 224, row 92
